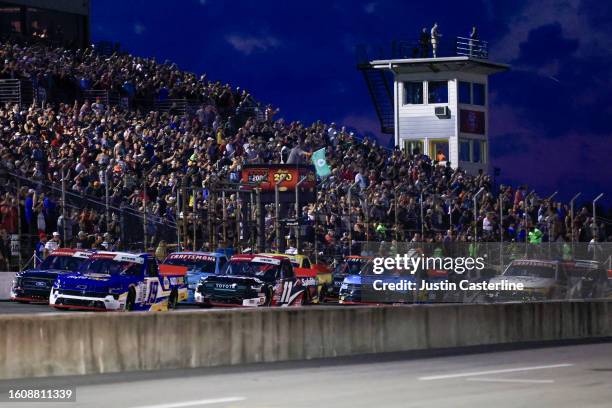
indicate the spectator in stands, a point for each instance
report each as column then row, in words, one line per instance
column 94, row 144
column 82, row 241
column 5, row 250
column 52, row 244
column 40, row 251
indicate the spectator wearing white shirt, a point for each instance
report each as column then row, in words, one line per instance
column 487, row 226
column 52, row 244
column 359, row 178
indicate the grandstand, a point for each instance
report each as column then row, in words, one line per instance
column 122, row 151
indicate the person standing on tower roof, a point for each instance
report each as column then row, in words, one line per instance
column 435, row 37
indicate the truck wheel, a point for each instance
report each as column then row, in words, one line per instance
column 131, row 300
column 323, row 293
column 306, row 297
column 269, row 295
column 172, row 300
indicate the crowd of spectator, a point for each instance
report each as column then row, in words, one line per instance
column 143, row 157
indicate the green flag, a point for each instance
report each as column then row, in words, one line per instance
column 318, row 159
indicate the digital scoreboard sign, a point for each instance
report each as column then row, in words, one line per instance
column 267, row 175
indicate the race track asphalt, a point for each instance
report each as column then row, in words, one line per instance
column 561, row 376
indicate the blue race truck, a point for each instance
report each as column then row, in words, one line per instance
column 34, row 285
column 119, row 281
column 195, row 266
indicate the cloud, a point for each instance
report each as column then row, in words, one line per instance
column 139, row 28
column 250, row 44
column 566, row 163
column 546, row 44
column 370, row 8
column 577, row 22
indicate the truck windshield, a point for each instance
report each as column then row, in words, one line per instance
column 368, row 270
column 252, row 269
column 64, row 263
column 350, row 266
column 531, row 271
column 193, row 265
column 110, row 267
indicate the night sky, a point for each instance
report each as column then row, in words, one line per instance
column 550, row 116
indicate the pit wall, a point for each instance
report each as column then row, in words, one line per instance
column 91, row 343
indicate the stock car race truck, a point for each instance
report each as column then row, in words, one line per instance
column 194, row 266
column 392, row 286
column 254, row 280
column 545, row 280
column 350, row 265
column 309, row 271
column 34, row 285
column 119, row 281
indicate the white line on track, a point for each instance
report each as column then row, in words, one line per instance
column 511, row 380
column 507, row 370
column 194, row 403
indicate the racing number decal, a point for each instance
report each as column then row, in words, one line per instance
column 286, row 296
column 153, row 292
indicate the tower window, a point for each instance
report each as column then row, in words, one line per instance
column 464, row 150
column 472, row 150
column 438, row 92
column 465, row 92
column 413, row 93
column 413, row 147
column 478, row 94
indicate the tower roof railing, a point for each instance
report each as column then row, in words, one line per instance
column 472, row 47
column 418, row 48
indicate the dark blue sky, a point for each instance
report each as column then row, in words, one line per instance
column 550, row 121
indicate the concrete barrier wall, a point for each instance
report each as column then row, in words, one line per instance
column 6, row 282
column 86, row 343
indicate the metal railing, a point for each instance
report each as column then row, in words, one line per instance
column 472, row 47
column 16, row 91
column 422, row 48
column 105, row 97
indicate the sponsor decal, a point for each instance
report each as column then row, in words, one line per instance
column 70, row 252
column 534, row 263
column 261, row 259
column 193, row 257
column 226, row 285
column 120, row 257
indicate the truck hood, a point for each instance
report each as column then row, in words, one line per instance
column 235, row 281
column 193, row 278
column 369, row 279
column 353, row 279
column 89, row 282
column 47, row 273
column 529, row 282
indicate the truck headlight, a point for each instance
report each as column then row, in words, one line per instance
column 257, row 288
